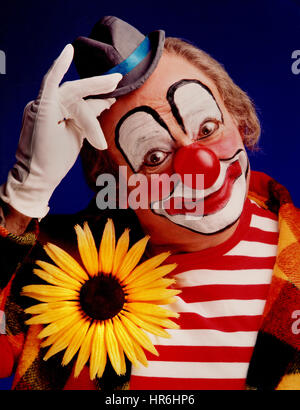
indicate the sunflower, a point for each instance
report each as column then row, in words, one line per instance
column 105, row 307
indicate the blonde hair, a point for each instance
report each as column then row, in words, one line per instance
column 236, row 101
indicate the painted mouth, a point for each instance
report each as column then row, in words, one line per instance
column 211, row 203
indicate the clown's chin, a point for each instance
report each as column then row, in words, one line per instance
column 215, row 222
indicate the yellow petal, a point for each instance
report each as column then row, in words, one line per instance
column 45, row 307
column 66, row 262
column 84, row 352
column 148, row 265
column 37, row 309
column 43, row 298
column 47, row 342
column 98, row 351
column 114, row 353
column 50, row 340
column 54, row 281
column 49, row 293
column 124, row 340
column 138, row 334
column 151, row 276
column 140, row 354
column 87, row 249
column 107, row 247
column 92, row 244
column 164, row 301
column 51, row 315
column 151, row 294
column 149, row 327
column 158, row 283
column 158, row 321
column 59, row 324
column 75, row 343
column 150, row 309
column 61, row 333
column 132, row 258
column 122, row 361
column 59, row 274
column 121, row 250
column 61, row 340
column 164, row 282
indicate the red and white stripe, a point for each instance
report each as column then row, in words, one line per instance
column 224, row 290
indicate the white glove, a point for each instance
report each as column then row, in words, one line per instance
column 53, row 129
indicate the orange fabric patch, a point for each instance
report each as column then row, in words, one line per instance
column 279, row 321
column 289, row 382
column 292, row 217
column 16, row 342
column 29, row 353
column 289, row 262
column 275, row 288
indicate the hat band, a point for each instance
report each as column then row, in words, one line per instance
column 133, row 60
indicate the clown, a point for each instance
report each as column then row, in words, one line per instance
column 225, row 179
column 161, row 107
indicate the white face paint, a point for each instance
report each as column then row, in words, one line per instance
column 225, row 198
column 142, row 131
column 192, row 105
column 140, row 134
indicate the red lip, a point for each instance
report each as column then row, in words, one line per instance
column 212, row 203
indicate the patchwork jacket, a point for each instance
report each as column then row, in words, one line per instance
column 275, row 363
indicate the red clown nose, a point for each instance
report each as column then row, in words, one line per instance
column 195, row 159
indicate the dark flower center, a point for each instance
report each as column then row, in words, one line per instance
column 102, row 297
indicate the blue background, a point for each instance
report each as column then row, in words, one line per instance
column 254, row 40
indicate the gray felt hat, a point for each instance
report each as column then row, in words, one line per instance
column 116, row 46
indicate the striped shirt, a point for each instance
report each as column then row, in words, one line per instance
column 224, row 290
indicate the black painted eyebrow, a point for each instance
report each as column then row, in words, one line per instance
column 142, row 108
column 170, row 97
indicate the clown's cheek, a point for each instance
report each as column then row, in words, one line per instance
column 227, row 144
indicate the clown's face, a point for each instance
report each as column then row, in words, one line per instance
column 177, row 123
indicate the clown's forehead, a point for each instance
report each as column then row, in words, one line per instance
column 142, row 128
column 186, row 97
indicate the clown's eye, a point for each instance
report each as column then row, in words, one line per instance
column 207, row 128
column 154, row 158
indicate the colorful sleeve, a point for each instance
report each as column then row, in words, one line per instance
column 14, row 249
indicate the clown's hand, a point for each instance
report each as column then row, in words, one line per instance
column 53, row 129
